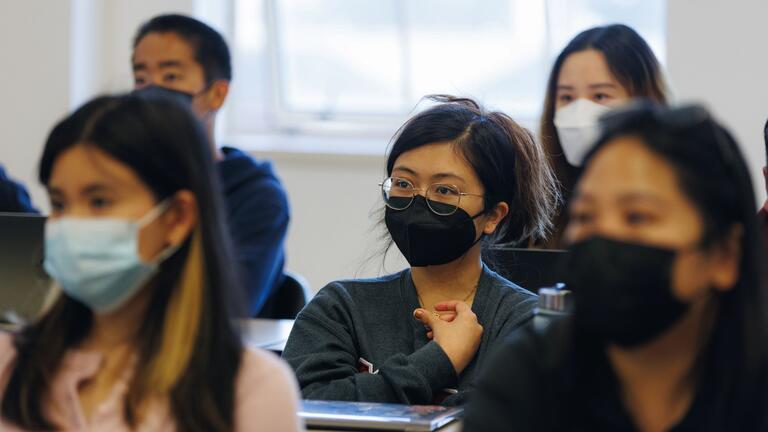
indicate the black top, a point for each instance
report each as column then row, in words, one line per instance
column 538, row 382
column 352, row 322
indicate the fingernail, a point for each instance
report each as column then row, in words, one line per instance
column 417, row 314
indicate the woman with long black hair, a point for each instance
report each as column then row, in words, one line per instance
column 141, row 336
column 668, row 270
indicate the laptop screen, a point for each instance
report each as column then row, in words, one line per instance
column 531, row 269
column 23, row 282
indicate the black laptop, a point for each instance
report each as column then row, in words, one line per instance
column 532, row 269
column 23, row 282
column 368, row 416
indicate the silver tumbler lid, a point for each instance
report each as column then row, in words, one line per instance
column 554, row 299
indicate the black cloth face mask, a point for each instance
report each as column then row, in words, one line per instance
column 426, row 238
column 623, row 291
column 185, row 98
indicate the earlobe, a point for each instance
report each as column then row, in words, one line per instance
column 219, row 92
column 184, row 217
column 728, row 260
column 497, row 215
column 490, row 228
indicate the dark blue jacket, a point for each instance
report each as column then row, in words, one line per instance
column 13, row 196
column 257, row 213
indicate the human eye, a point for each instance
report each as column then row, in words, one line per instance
column 402, row 183
column 57, row 206
column 99, row 202
column 638, row 217
column 581, row 217
column 446, row 190
column 602, row 97
column 564, row 99
column 171, row 77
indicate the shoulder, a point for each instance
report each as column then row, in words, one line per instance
column 509, row 293
column 530, row 357
column 515, row 389
column 242, row 173
column 7, row 349
column 354, row 288
column 263, row 368
column 7, row 357
column 267, row 393
column 236, row 163
column 342, row 300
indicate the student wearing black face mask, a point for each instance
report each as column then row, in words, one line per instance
column 668, row 271
column 457, row 177
column 191, row 59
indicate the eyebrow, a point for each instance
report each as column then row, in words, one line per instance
column 90, row 189
column 627, row 198
column 591, row 86
column 631, row 197
column 438, row 176
column 403, row 168
column 170, row 63
column 602, row 85
column 163, row 64
column 441, row 176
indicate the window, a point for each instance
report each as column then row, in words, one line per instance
column 353, row 70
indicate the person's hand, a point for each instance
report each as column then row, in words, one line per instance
column 457, row 333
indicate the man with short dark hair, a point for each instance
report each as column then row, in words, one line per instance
column 183, row 54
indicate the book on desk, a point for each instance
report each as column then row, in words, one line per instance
column 366, row 416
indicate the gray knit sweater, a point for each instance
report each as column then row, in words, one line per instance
column 372, row 319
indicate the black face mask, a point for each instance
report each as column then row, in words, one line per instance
column 182, row 97
column 623, row 290
column 425, row 238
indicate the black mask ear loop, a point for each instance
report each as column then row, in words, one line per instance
column 482, row 234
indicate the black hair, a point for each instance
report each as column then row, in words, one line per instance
column 164, row 144
column 765, row 140
column 210, row 48
column 713, row 174
column 633, row 64
column 507, row 160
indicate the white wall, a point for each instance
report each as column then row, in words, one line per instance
column 34, row 82
column 332, row 232
column 716, row 55
column 59, row 53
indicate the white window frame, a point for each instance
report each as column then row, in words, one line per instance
column 293, row 132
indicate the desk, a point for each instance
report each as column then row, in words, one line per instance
column 266, row 333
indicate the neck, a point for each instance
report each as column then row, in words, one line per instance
column 209, row 123
column 453, row 280
column 118, row 328
column 658, row 379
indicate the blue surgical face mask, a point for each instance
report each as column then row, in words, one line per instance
column 96, row 260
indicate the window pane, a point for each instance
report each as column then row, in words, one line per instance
column 495, row 53
column 339, row 56
column 647, row 17
column 358, row 68
column 250, row 95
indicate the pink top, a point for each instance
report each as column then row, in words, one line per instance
column 267, row 395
